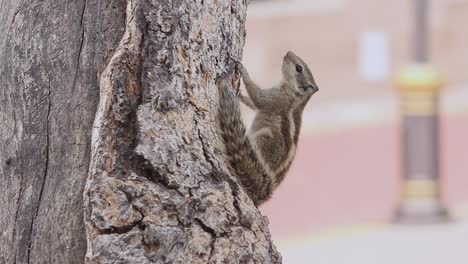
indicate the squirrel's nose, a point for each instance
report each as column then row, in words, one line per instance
column 314, row 87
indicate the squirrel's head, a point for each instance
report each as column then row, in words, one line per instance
column 298, row 75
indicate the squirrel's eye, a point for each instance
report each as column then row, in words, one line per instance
column 298, row 68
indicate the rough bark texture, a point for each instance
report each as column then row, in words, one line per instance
column 50, row 55
column 157, row 189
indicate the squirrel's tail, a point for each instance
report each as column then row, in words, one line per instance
column 244, row 163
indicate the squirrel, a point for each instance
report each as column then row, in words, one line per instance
column 261, row 157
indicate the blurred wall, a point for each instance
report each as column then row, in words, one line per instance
column 327, row 34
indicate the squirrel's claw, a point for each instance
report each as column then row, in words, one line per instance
column 240, row 68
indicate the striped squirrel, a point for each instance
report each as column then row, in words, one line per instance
column 261, row 157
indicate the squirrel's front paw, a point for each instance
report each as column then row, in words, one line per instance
column 240, row 68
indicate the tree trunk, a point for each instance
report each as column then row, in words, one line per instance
column 156, row 187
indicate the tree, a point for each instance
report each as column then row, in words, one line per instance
column 147, row 180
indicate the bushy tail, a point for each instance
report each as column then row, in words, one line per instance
column 243, row 160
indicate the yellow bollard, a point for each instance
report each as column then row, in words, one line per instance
column 419, row 87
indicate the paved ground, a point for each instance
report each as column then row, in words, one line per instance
column 438, row 244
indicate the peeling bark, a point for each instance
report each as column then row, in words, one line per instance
column 156, row 186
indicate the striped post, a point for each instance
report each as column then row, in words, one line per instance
column 420, row 194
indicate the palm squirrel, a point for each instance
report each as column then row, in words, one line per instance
column 261, row 157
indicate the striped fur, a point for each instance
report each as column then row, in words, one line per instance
column 243, row 159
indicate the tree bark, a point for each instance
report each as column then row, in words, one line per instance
column 149, row 175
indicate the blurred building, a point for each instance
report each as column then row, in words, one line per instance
column 348, row 169
column 330, row 35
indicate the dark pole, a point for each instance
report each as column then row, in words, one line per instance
column 420, row 31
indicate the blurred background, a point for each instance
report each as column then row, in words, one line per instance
column 342, row 200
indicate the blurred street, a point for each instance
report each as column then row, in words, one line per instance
column 351, row 171
column 435, row 244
